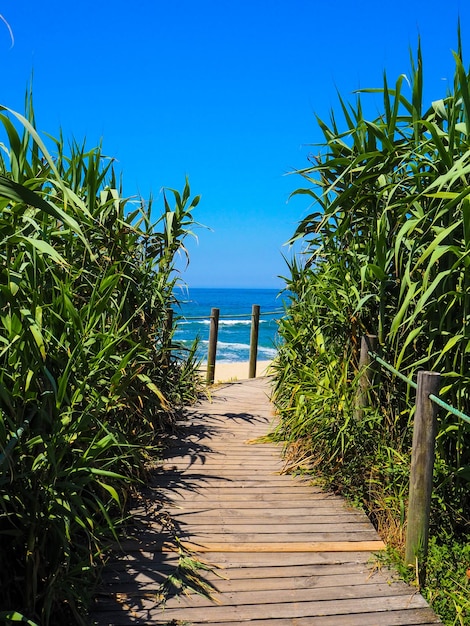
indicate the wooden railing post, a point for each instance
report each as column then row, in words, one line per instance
column 366, row 368
column 422, row 464
column 255, row 313
column 212, row 351
column 167, row 328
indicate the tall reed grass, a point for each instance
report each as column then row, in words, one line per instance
column 85, row 362
column 387, row 252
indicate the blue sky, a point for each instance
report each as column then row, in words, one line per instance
column 223, row 92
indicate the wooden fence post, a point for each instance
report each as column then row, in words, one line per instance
column 367, row 369
column 255, row 312
column 167, row 328
column 422, row 464
column 211, row 354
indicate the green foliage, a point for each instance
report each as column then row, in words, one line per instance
column 86, row 369
column 387, row 253
column 447, row 587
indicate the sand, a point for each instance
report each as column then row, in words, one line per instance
column 225, row 372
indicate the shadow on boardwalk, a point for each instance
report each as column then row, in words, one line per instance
column 278, row 550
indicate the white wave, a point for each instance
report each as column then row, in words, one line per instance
column 222, row 322
column 224, row 345
column 269, row 353
column 239, row 322
column 233, row 346
column 241, row 346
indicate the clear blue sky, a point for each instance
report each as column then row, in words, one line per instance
column 224, row 92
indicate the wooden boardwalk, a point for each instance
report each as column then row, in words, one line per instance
column 282, row 551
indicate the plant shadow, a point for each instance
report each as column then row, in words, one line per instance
column 152, row 564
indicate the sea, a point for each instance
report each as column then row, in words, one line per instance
column 192, row 318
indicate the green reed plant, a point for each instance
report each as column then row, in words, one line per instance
column 86, row 279
column 386, row 253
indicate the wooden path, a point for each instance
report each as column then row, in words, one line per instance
column 282, row 551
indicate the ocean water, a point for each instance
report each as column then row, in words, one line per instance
column 234, row 323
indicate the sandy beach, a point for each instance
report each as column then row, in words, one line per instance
column 225, row 372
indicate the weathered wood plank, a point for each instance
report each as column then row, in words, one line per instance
column 226, row 561
column 278, row 529
column 144, row 582
column 255, row 543
column 411, row 617
column 272, row 577
column 146, row 608
column 261, row 503
column 268, row 514
column 221, row 510
column 251, row 597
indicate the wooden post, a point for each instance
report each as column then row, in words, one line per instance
column 167, row 328
column 422, row 464
column 366, row 369
column 212, row 351
column 255, row 312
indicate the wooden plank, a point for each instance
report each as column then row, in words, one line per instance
column 224, row 588
column 227, row 561
column 251, row 597
column 239, row 499
column 179, row 508
column 222, row 451
column 145, row 608
column 277, row 529
column 227, row 460
column 265, row 504
column 266, row 525
column 307, row 546
column 409, row 617
column 315, row 574
column 209, row 514
column 256, row 493
column 206, row 515
column 146, row 582
column 214, row 454
column 251, row 486
column 257, row 542
column 184, row 510
column 267, row 597
column 200, row 482
column 287, row 539
column 233, row 474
